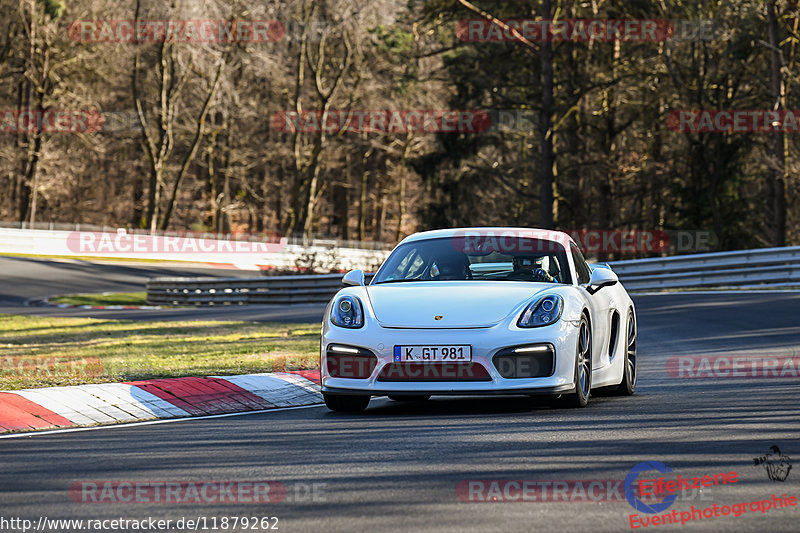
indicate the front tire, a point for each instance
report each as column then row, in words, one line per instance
column 346, row 404
column 583, row 369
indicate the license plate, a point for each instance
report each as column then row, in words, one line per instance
column 424, row 353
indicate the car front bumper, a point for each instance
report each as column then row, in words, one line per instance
column 485, row 343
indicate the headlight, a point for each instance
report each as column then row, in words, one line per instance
column 347, row 312
column 543, row 312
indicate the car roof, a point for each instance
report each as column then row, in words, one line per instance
column 496, row 231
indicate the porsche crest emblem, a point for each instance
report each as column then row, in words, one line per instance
column 438, row 317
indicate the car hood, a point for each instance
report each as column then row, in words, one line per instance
column 460, row 304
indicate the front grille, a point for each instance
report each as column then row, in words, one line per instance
column 518, row 362
column 434, row 372
column 350, row 365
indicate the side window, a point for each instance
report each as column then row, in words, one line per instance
column 408, row 266
column 581, row 268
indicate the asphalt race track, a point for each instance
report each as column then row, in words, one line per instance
column 397, row 467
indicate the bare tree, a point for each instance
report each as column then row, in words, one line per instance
column 780, row 149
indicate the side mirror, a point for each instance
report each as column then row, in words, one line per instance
column 353, row 278
column 601, row 277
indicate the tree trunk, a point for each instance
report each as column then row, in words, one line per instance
column 313, row 184
column 341, row 203
column 545, row 127
column 198, row 135
column 401, row 207
column 38, row 90
column 777, row 170
column 380, row 216
column 137, row 197
column 153, row 200
column 362, row 200
column 297, row 145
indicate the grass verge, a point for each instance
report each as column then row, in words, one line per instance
column 50, row 351
column 106, row 298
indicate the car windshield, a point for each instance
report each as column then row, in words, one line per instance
column 448, row 259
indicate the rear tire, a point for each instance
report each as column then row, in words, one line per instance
column 346, row 404
column 411, row 398
column 583, row 369
column 628, row 385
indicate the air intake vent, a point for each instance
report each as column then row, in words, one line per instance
column 350, row 362
column 434, row 372
column 612, row 339
column 532, row 361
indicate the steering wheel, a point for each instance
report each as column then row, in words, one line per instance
column 540, row 274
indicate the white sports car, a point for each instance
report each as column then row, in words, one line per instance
column 479, row 311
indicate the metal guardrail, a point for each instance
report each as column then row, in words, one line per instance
column 301, row 289
column 273, row 289
column 768, row 267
